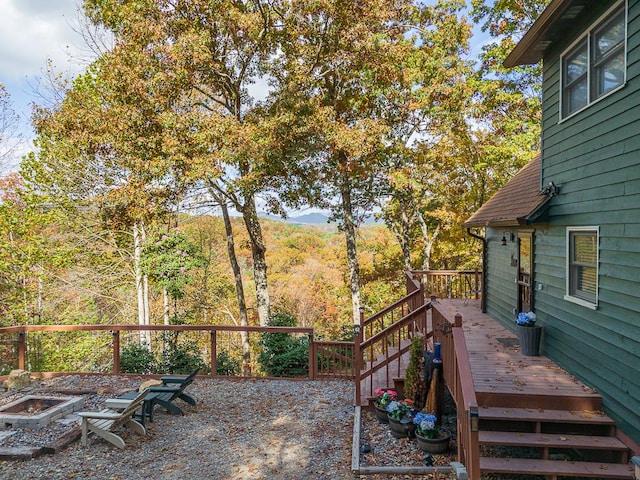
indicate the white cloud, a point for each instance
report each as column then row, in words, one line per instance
column 33, row 31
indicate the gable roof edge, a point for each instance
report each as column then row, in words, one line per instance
column 524, row 52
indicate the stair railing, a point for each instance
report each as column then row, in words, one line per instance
column 385, row 337
column 458, row 377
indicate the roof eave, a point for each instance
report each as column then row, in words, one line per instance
column 527, row 51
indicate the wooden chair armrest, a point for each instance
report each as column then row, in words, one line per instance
column 164, row 388
column 100, row 415
column 173, row 379
column 118, row 403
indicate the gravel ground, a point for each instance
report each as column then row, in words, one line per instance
column 253, row 429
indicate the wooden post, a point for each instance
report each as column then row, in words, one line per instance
column 313, row 358
column 22, row 349
column 116, row 350
column 457, row 320
column 478, row 288
column 357, row 357
column 214, row 354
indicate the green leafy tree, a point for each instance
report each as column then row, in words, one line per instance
column 282, row 354
column 168, row 259
column 343, row 69
column 214, row 51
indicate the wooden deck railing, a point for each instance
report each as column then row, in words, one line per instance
column 457, row 375
column 326, row 359
column 385, row 337
column 463, row 284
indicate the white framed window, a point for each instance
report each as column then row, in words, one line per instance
column 582, row 265
column 596, row 64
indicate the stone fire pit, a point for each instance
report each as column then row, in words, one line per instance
column 35, row 411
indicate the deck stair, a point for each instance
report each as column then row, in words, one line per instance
column 554, row 443
column 389, row 376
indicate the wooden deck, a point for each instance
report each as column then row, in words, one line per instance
column 502, row 376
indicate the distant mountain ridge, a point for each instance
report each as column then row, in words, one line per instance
column 309, row 219
column 306, row 219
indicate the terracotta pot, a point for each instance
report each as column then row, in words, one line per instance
column 435, row 445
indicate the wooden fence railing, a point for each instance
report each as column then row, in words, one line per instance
column 458, row 377
column 326, row 359
column 462, row 284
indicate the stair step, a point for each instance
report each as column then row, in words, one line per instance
column 552, row 440
column 555, row 467
column 544, row 415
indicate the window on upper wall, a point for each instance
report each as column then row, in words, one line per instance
column 596, row 64
column 582, row 266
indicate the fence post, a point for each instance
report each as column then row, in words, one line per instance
column 22, row 349
column 457, row 322
column 313, row 358
column 116, row 350
column 214, row 354
column 478, row 287
column 357, row 356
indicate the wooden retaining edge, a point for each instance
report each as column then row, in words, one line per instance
column 20, row 453
column 355, row 442
column 356, row 469
column 63, row 442
column 27, row 453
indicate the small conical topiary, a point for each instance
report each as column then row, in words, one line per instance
column 415, row 387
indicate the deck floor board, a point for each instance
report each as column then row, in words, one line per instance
column 498, row 367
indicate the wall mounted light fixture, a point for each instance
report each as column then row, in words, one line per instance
column 507, row 237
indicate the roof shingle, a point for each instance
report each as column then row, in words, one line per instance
column 514, row 203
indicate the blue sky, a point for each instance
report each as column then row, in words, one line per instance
column 31, row 33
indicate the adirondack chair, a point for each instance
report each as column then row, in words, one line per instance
column 172, row 388
column 104, row 422
column 183, row 381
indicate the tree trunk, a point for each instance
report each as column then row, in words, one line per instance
column 237, row 275
column 427, row 241
column 165, row 306
column 143, row 318
column 352, row 254
column 403, row 235
column 258, row 250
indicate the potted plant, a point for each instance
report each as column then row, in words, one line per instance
column 383, row 398
column 415, row 386
column 400, row 415
column 430, row 436
column 528, row 334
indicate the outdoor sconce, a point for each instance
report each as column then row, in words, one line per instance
column 505, row 236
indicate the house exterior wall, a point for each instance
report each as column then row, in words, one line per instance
column 594, row 157
column 500, row 286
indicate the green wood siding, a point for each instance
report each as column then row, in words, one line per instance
column 500, row 287
column 594, row 157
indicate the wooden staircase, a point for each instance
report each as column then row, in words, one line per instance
column 534, row 419
column 553, row 443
